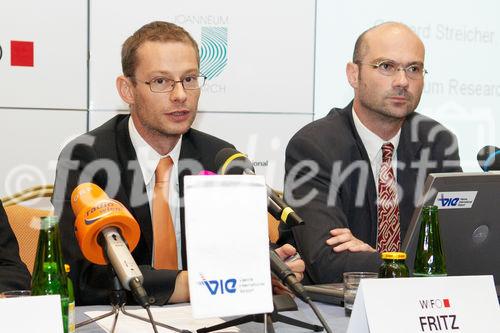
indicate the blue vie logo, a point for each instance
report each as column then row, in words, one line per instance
column 213, row 51
column 220, row 286
column 448, row 202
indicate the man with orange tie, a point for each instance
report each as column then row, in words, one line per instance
column 141, row 160
column 356, row 175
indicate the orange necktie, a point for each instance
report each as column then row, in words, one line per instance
column 165, row 244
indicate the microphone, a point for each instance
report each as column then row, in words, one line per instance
column 489, row 158
column 285, row 274
column 206, row 173
column 229, row 161
column 232, row 162
column 103, row 228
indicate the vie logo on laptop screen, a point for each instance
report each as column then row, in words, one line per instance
column 455, row 200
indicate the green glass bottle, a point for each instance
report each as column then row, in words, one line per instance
column 49, row 275
column 71, row 301
column 429, row 257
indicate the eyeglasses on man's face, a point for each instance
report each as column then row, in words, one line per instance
column 390, row 68
column 161, row 84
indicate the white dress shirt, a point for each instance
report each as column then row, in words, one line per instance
column 148, row 159
column 373, row 145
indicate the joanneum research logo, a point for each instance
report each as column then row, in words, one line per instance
column 213, row 51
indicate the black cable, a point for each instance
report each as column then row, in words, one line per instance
column 156, row 323
column 286, row 275
column 319, row 315
column 150, row 315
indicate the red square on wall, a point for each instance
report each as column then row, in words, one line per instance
column 21, row 53
column 446, row 302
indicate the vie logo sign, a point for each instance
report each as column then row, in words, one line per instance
column 455, row 200
column 445, row 322
column 220, row 286
column 448, row 202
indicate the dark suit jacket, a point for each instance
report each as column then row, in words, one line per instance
column 106, row 157
column 344, row 175
column 13, row 272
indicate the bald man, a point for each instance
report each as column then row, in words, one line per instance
column 355, row 175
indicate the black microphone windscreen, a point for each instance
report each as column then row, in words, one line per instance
column 229, row 161
column 489, row 158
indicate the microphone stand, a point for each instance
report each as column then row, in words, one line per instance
column 281, row 303
column 118, row 299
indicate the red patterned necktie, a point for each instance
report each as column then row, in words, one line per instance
column 388, row 238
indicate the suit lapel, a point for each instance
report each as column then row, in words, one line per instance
column 408, row 151
column 132, row 179
column 371, row 191
column 189, row 164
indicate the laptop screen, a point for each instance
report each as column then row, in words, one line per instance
column 469, row 220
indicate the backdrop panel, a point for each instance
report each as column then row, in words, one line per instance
column 43, row 54
column 258, row 55
column 462, row 90
column 99, row 117
column 31, row 143
column 263, row 137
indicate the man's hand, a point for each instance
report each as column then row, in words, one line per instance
column 342, row 239
column 297, row 266
column 181, row 290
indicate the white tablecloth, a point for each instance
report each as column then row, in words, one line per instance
column 334, row 315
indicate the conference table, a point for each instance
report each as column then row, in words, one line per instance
column 333, row 314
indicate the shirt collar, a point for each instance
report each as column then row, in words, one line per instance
column 147, row 156
column 372, row 142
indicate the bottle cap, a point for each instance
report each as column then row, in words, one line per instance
column 394, row 255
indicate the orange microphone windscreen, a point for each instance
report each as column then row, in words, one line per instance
column 95, row 211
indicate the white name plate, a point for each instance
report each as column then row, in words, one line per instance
column 227, row 245
column 41, row 314
column 461, row 304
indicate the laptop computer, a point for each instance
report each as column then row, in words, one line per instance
column 469, row 220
